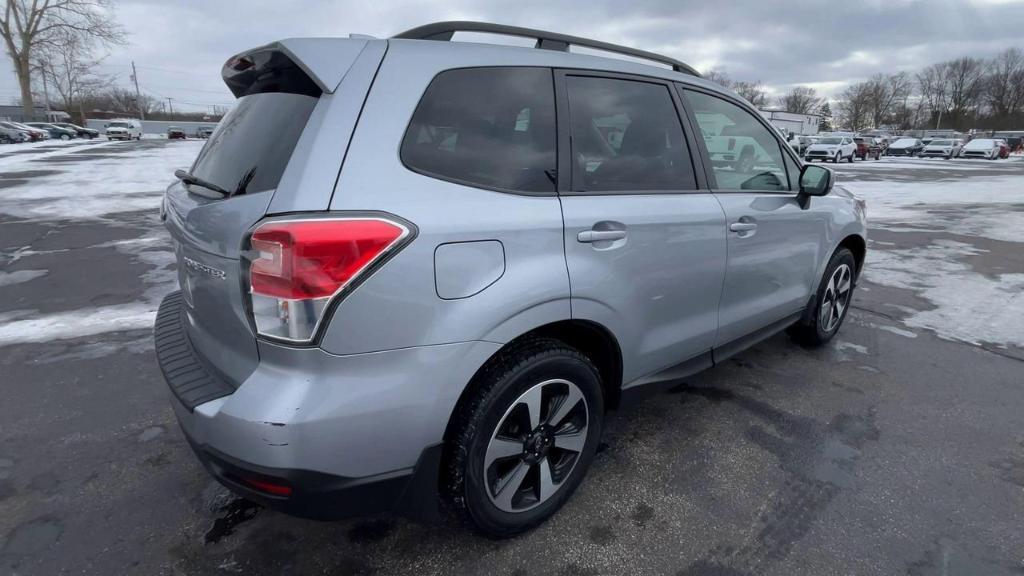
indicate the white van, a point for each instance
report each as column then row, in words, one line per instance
column 124, row 129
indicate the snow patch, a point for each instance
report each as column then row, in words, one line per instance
column 9, row 278
column 969, row 306
column 843, row 346
column 94, row 188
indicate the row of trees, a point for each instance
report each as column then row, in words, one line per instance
column 57, row 45
column 962, row 94
column 57, row 41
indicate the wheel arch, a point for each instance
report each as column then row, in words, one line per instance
column 593, row 340
column 856, row 244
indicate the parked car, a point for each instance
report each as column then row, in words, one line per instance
column 905, row 147
column 983, row 148
column 124, row 130
column 867, row 148
column 942, row 148
column 54, row 131
column 79, row 130
column 834, row 148
column 204, row 131
column 175, row 133
column 1004, row 149
column 12, row 134
column 799, row 143
column 399, row 329
column 35, row 134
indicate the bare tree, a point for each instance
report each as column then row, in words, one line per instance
column 69, row 67
column 1004, row 86
column 801, row 100
column 30, row 25
column 934, row 90
column 753, row 92
column 718, row 77
column 884, row 92
column 855, row 107
column 965, row 78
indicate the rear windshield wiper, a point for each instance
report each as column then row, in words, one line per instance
column 243, row 183
column 189, row 178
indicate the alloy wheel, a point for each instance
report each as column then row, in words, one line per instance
column 536, row 445
column 836, row 297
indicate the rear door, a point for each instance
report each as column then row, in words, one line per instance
column 774, row 243
column 644, row 239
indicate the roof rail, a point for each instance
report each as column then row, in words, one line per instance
column 545, row 40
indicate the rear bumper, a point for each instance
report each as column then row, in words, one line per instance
column 318, row 496
column 352, row 434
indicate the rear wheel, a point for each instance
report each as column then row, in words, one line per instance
column 522, row 444
column 831, row 302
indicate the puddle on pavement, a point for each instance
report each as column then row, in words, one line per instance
column 34, row 536
column 235, row 513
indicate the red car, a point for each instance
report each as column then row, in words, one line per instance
column 1004, row 149
column 867, row 148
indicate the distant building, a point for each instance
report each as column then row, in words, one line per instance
column 803, row 124
column 16, row 114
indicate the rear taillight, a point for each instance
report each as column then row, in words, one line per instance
column 297, row 267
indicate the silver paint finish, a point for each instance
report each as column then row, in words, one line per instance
column 663, row 273
column 464, row 269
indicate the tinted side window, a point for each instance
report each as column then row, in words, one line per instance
column 627, row 136
column 745, row 155
column 488, row 127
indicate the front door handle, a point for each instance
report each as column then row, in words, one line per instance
column 588, row 236
column 743, row 226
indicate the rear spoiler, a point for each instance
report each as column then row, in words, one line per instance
column 310, row 66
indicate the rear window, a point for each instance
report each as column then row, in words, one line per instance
column 259, row 134
column 486, row 127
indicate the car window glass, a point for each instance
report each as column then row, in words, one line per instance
column 626, row 135
column 744, row 153
column 488, row 127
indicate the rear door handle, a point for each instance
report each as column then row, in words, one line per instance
column 588, row 236
column 743, row 226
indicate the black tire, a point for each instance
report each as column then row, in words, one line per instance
column 494, row 393
column 65, row 137
column 809, row 330
column 835, row 159
column 851, row 158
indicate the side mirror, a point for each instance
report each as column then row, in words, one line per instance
column 815, row 181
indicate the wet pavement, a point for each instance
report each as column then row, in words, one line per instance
column 897, row 449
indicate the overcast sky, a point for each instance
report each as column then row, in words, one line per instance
column 179, row 46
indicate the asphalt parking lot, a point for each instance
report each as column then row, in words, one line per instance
column 897, row 449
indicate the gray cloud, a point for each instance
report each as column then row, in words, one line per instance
column 180, row 46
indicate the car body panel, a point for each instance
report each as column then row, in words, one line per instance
column 658, row 289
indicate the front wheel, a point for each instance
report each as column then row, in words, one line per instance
column 831, row 302
column 65, row 137
column 523, row 441
column 835, row 159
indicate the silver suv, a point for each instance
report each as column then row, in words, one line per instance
column 416, row 274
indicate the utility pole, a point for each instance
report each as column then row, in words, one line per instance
column 170, row 106
column 138, row 94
